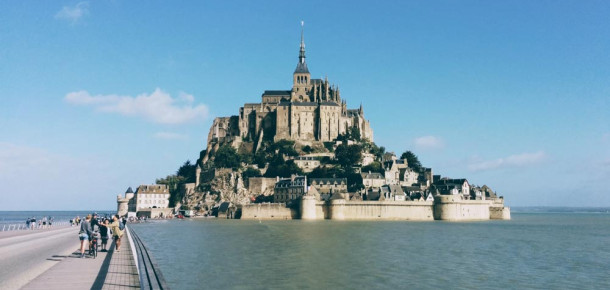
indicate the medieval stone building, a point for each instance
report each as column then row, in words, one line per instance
column 311, row 111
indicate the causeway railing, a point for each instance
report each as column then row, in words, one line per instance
column 23, row 226
column 150, row 274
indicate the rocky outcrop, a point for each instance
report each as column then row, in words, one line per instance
column 229, row 186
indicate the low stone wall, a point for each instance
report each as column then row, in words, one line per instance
column 155, row 212
column 267, row 211
column 385, row 210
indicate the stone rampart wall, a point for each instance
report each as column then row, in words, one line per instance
column 386, row 210
column 450, row 208
column 499, row 213
column 267, row 211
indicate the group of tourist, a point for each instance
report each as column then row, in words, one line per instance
column 75, row 221
column 43, row 223
column 93, row 227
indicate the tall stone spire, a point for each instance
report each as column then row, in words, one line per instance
column 302, row 50
column 302, row 66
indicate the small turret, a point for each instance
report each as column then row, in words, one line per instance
column 129, row 193
column 197, row 175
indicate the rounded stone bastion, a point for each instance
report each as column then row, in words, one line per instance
column 308, row 207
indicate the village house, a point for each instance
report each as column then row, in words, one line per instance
column 392, row 192
column 408, row 177
column 327, row 186
column 306, row 163
column 372, row 180
column 289, row 189
column 392, row 173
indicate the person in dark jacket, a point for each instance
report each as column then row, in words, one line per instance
column 104, row 234
column 84, row 234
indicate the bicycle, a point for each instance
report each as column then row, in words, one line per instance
column 93, row 245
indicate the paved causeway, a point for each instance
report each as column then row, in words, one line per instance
column 50, row 260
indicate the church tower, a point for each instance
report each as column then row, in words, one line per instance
column 301, row 77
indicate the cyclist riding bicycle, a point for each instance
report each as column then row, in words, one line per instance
column 95, row 236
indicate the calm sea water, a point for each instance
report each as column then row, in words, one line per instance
column 15, row 217
column 534, row 251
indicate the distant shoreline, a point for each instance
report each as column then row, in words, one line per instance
column 559, row 209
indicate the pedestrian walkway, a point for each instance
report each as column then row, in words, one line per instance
column 110, row 270
column 122, row 272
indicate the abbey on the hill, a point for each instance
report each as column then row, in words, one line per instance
column 311, row 111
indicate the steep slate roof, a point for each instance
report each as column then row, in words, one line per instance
column 373, row 194
column 276, row 93
column 445, row 189
column 353, row 112
column 297, row 182
column 396, row 189
column 129, row 190
column 329, row 180
column 301, row 68
column 459, row 181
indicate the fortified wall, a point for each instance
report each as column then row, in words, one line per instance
column 448, row 208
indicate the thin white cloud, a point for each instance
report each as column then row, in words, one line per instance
column 157, row 107
column 47, row 180
column 429, row 142
column 517, row 160
column 16, row 160
column 170, row 136
column 75, row 13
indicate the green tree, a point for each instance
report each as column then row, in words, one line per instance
column 354, row 182
column 174, row 183
column 412, row 160
column 374, row 167
column 348, row 155
column 250, row 172
column 282, row 169
column 187, row 171
column 227, row 157
column 354, row 133
column 326, row 172
column 307, row 149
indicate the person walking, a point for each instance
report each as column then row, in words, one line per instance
column 84, row 234
column 104, row 234
column 117, row 233
column 94, row 221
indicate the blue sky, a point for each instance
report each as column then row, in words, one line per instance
column 97, row 96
